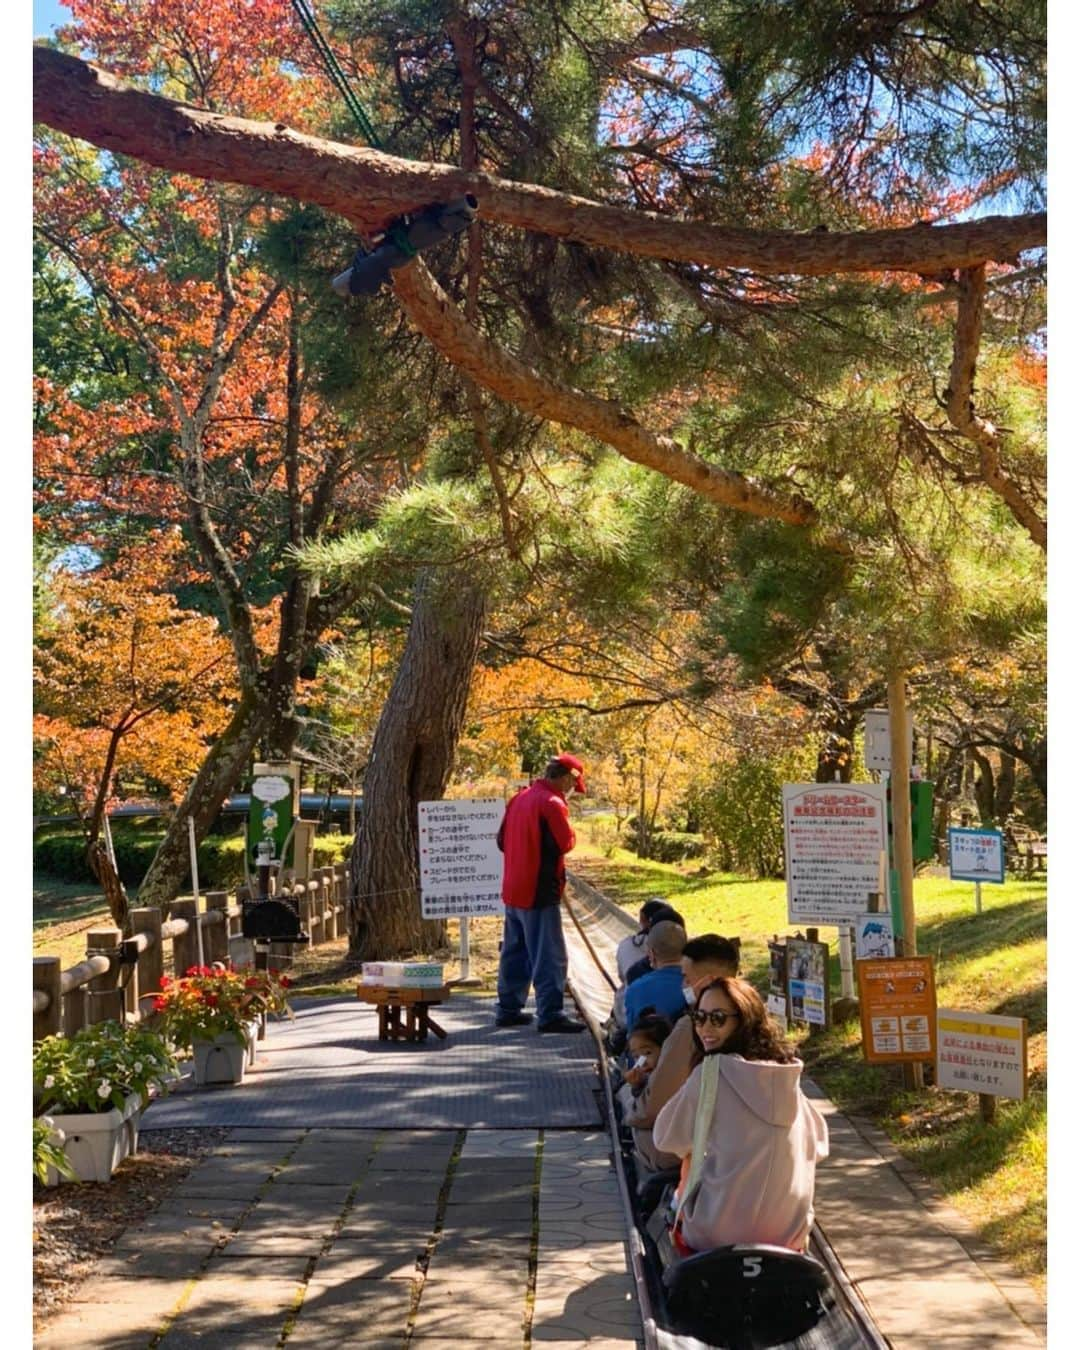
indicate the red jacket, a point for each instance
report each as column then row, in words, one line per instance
column 534, row 834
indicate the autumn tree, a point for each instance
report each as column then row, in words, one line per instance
column 607, row 182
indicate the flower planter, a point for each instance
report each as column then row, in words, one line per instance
column 222, row 1060
column 97, row 1142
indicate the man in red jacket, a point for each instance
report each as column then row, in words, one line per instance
column 534, row 836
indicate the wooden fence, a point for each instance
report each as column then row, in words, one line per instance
column 121, row 976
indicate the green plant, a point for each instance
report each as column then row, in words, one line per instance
column 218, row 1000
column 99, row 1067
column 49, row 1150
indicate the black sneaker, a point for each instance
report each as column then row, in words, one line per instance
column 561, row 1023
column 518, row 1019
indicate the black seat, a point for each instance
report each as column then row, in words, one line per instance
column 274, row 920
column 651, row 1189
column 746, row 1297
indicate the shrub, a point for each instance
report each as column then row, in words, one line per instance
column 221, row 859
column 49, row 1150
column 212, row 1001
column 99, row 1067
column 675, row 846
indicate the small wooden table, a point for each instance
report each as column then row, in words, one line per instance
column 416, row 1005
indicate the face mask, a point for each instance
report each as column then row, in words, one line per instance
column 690, row 997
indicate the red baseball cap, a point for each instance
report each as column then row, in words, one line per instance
column 576, row 767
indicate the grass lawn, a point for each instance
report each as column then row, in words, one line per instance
column 993, row 962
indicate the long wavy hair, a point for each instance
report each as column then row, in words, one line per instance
column 756, row 1036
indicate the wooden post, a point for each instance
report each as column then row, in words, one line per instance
column 306, row 901
column 104, row 999
column 216, row 935
column 903, row 859
column 988, row 1107
column 185, row 945
column 151, row 964
column 47, row 980
column 326, row 905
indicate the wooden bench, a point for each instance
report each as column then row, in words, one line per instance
column 415, row 1004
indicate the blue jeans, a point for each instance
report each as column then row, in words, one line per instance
column 533, row 952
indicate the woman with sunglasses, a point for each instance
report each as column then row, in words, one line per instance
column 748, row 1137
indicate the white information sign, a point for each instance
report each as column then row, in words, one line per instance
column 976, row 855
column 874, row 936
column 460, row 863
column 981, row 1052
column 877, row 746
column 834, row 834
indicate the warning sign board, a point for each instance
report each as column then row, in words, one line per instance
column 834, row 835
column 460, row 863
column 981, row 1052
column 897, row 1005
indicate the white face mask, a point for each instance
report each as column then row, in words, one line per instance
column 689, row 995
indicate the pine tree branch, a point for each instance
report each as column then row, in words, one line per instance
column 371, row 189
column 431, row 310
column 960, row 404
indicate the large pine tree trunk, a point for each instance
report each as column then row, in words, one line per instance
column 411, row 759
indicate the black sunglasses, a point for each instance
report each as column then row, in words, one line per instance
column 699, row 1018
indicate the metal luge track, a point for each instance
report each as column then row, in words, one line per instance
column 598, row 925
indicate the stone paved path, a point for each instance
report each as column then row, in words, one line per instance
column 332, row 1238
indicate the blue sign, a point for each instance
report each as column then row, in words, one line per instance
column 976, row 855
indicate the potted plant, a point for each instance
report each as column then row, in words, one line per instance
column 94, row 1086
column 49, row 1151
column 214, row 1010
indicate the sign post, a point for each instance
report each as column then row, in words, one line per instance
column 460, row 865
column 808, row 980
column 983, row 1053
column 833, row 837
column 898, row 1009
column 978, row 856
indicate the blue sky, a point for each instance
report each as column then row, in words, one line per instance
column 47, row 14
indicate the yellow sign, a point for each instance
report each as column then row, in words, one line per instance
column 982, row 1052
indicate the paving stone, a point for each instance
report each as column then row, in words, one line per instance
column 412, row 1161
column 149, row 1262
column 558, row 1281
column 266, row 1243
column 278, row 1269
column 499, row 1143
column 602, row 1257
column 502, row 1324
column 152, row 1297
column 329, row 1198
column 499, row 1190
column 902, row 1307
column 352, row 1260
column 88, row 1328
column 391, row 1189
column 590, row 1228
column 173, row 1232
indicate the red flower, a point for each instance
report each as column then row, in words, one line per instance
column 159, row 1005
column 285, row 982
column 164, row 982
column 211, row 1000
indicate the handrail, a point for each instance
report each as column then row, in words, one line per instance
column 86, row 970
column 323, row 894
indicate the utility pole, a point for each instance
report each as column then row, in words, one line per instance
column 903, row 860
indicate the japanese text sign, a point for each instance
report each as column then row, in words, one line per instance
column 976, row 855
column 980, row 1052
column 897, row 1007
column 808, row 981
column 460, row 863
column 834, row 835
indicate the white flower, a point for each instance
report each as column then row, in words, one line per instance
column 104, row 1089
column 49, row 1081
column 138, row 1066
column 90, row 1063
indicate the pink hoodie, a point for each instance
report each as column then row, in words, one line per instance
column 765, row 1138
